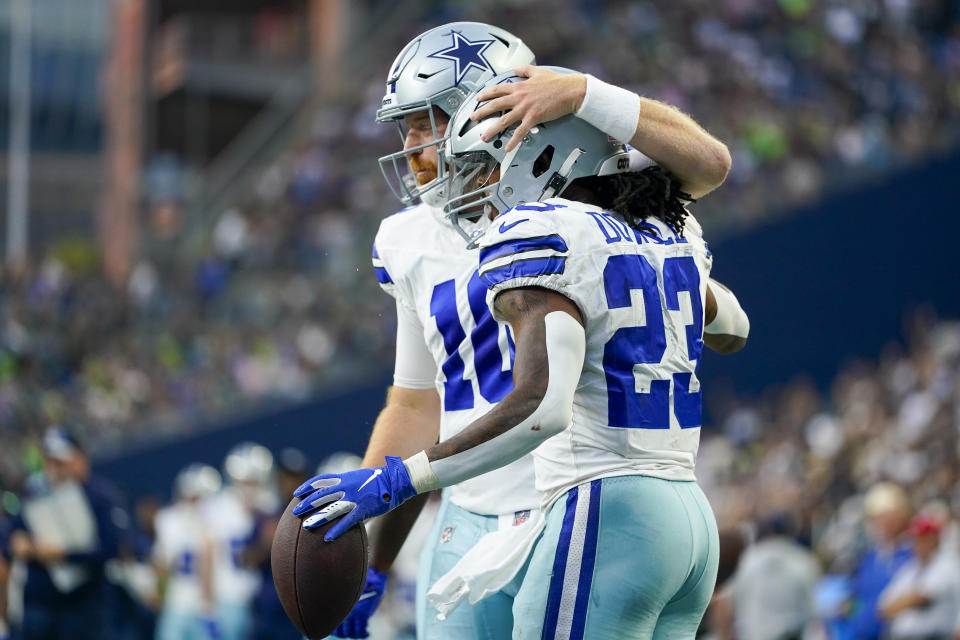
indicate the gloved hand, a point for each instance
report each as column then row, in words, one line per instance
column 355, row 624
column 360, row 494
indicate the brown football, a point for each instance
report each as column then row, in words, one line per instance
column 318, row 582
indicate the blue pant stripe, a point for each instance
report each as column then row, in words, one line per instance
column 559, row 568
column 587, row 563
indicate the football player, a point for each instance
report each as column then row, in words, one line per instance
column 607, row 298
column 232, row 515
column 453, row 360
column 183, row 556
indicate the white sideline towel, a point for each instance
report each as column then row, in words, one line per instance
column 63, row 519
column 489, row 565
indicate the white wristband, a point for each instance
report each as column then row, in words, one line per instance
column 422, row 476
column 613, row 110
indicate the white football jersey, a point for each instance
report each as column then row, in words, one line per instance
column 424, row 263
column 178, row 548
column 642, row 294
column 232, row 524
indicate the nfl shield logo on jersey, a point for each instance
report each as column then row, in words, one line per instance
column 446, row 534
column 520, row 517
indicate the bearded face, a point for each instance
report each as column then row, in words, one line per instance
column 419, row 132
column 424, row 168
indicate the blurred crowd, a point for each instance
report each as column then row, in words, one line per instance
column 274, row 298
column 804, row 93
column 854, row 485
column 283, row 304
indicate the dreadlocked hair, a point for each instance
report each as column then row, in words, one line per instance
column 635, row 196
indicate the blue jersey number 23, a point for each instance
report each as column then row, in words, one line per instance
column 646, row 344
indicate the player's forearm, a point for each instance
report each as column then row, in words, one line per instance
column 677, row 143
column 388, row 533
column 207, row 551
column 531, row 373
column 509, row 431
column 914, row 600
column 516, row 407
column 663, row 133
column 409, row 423
column 550, row 347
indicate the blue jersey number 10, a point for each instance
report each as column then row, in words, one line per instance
column 649, row 408
column 493, row 381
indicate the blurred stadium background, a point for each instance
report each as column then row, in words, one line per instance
column 191, row 193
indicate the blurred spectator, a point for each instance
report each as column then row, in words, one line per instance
column 66, row 535
column 923, row 599
column 135, row 579
column 773, row 586
column 888, row 512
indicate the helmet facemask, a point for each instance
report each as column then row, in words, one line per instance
column 396, row 168
column 472, row 190
column 436, row 72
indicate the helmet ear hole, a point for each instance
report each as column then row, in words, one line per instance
column 469, row 124
column 542, row 164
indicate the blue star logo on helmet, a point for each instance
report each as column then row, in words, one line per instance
column 466, row 54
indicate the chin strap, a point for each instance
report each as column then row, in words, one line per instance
column 558, row 180
column 472, row 236
column 435, row 197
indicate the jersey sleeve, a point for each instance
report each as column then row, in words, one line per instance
column 414, row 366
column 381, row 272
column 390, row 257
column 525, row 247
column 693, row 232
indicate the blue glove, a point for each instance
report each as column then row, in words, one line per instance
column 355, row 625
column 360, row 494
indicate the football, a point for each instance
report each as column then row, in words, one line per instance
column 318, row 582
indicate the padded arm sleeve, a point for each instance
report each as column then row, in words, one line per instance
column 566, row 345
column 731, row 319
column 414, row 367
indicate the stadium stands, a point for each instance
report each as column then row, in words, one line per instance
column 804, row 94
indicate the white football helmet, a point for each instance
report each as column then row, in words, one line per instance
column 547, row 160
column 339, row 462
column 249, row 463
column 197, row 481
column 440, row 68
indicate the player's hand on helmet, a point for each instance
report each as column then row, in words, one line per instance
column 360, row 494
column 546, row 95
column 355, row 624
